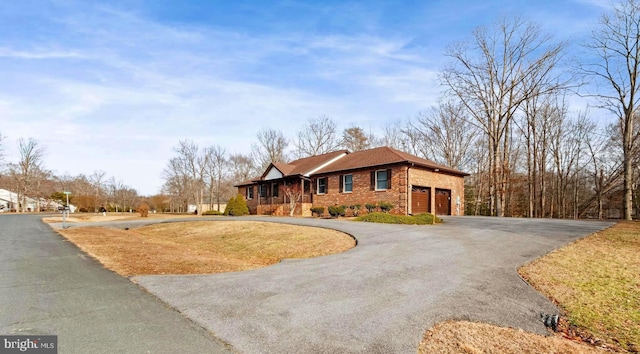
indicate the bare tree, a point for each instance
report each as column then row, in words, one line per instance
column 318, row 136
column 568, row 142
column 129, row 198
column 615, row 47
column 355, row 138
column 242, row 167
column 600, row 172
column 293, row 192
column 27, row 168
column 394, row 136
column 187, row 171
column 504, row 66
column 115, row 187
column 216, row 171
column 542, row 120
column 445, row 134
column 40, row 177
column 97, row 180
column 270, row 148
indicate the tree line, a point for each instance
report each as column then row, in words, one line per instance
column 504, row 117
column 29, row 178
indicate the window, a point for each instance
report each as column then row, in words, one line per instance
column 322, row 185
column 276, row 187
column 347, row 183
column 382, row 179
column 250, row 192
column 263, row 191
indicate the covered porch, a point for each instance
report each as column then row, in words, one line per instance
column 272, row 198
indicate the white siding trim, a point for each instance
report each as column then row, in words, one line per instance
column 273, row 173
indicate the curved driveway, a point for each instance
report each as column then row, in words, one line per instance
column 380, row 296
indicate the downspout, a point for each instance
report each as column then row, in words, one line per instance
column 406, row 212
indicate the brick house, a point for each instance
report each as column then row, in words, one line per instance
column 412, row 184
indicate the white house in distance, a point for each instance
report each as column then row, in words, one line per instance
column 9, row 201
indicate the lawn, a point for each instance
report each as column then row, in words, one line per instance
column 384, row 218
column 201, row 247
column 596, row 281
column 92, row 217
column 475, row 338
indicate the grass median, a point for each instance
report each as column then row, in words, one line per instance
column 202, row 247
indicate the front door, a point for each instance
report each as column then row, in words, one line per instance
column 443, row 202
column 420, row 200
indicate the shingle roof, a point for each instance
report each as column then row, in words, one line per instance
column 307, row 164
column 247, row 182
column 285, row 168
column 382, row 156
column 360, row 159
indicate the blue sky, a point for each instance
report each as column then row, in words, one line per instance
column 114, row 85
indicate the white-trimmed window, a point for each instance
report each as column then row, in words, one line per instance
column 382, row 178
column 250, row 192
column 347, row 183
column 322, row 185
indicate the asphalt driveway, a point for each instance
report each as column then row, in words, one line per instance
column 49, row 286
column 380, row 296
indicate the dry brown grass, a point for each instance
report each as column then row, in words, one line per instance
column 202, row 247
column 475, row 338
column 90, row 217
column 596, row 281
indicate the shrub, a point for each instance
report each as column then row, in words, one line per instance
column 230, row 205
column 355, row 209
column 336, row 211
column 240, row 207
column 385, row 206
column 319, row 211
column 143, row 209
column 370, row 207
column 420, row 219
column 212, row 212
column 427, row 218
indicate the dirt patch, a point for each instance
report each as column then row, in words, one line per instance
column 202, row 247
column 471, row 338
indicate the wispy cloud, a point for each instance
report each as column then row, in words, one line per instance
column 103, row 84
column 40, row 54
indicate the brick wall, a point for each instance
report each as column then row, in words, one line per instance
column 252, row 204
column 402, row 179
column 362, row 192
column 436, row 180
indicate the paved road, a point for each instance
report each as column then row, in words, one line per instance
column 48, row 286
column 381, row 296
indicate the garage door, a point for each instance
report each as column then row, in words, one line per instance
column 443, row 202
column 420, row 200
